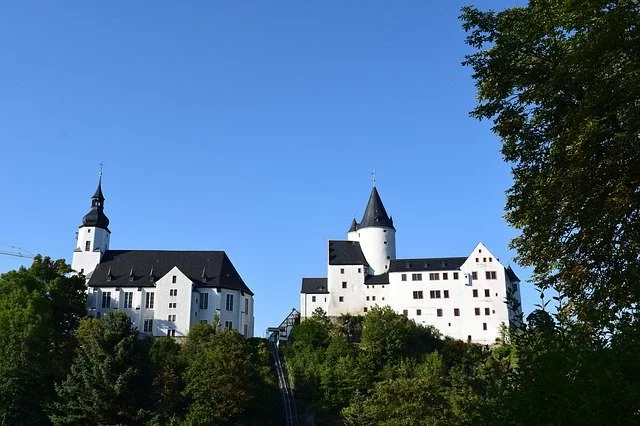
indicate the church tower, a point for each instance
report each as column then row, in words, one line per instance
column 92, row 238
column 376, row 235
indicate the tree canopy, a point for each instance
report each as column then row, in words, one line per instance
column 561, row 81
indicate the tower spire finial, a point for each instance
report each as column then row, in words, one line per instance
column 100, row 173
column 373, row 176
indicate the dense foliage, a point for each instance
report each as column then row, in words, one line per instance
column 58, row 366
column 551, row 371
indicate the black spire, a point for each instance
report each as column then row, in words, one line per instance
column 375, row 214
column 354, row 226
column 96, row 216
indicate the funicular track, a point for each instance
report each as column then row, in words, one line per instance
column 288, row 402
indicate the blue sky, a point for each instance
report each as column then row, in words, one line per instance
column 250, row 127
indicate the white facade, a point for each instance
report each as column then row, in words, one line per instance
column 463, row 297
column 163, row 292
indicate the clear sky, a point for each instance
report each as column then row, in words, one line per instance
column 250, row 127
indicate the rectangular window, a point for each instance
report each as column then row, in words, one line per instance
column 147, row 326
column 367, row 298
column 365, row 309
column 484, row 325
column 128, row 299
column 204, row 301
column 416, row 277
column 228, row 325
column 229, row 305
column 486, row 311
column 173, row 279
column 434, row 276
column 455, row 275
column 106, row 299
column 486, row 292
column 246, row 330
column 491, row 259
column 341, row 299
column 168, row 317
column 445, row 276
column 475, row 293
column 438, row 295
column 342, row 270
column 490, row 275
column 477, row 311
column 487, row 275
column 484, row 259
column 439, row 312
column 87, row 246
column 246, row 305
column 417, row 295
column 148, row 300
column 403, row 277
column 313, row 298
column 344, row 284
column 446, row 294
column 418, row 312
column 359, row 270
column 405, row 313
column 373, row 298
column 456, row 312
column 474, row 275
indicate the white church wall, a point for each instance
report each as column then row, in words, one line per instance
column 173, row 304
column 310, row 302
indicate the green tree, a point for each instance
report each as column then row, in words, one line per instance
column 26, row 382
column 167, row 368
column 218, row 376
column 40, row 307
column 561, row 81
column 109, row 381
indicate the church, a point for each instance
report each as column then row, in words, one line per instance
column 463, row 297
column 163, row 292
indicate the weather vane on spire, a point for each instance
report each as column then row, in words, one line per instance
column 373, row 175
column 100, row 174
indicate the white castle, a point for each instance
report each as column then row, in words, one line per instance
column 463, row 297
column 163, row 292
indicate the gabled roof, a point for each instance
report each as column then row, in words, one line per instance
column 377, row 279
column 375, row 214
column 204, row 268
column 346, row 253
column 511, row 275
column 427, row 264
column 314, row 286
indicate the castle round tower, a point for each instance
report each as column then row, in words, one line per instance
column 376, row 234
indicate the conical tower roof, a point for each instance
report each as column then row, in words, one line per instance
column 375, row 214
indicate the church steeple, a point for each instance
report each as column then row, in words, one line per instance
column 375, row 213
column 92, row 238
column 96, row 216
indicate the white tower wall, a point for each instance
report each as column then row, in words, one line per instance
column 378, row 246
column 91, row 243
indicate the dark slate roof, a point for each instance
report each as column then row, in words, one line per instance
column 354, row 226
column 377, row 279
column 98, row 194
column 427, row 264
column 96, row 216
column 314, row 286
column 511, row 275
column 204, row 268
column 375, row 214
column 346, row 253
